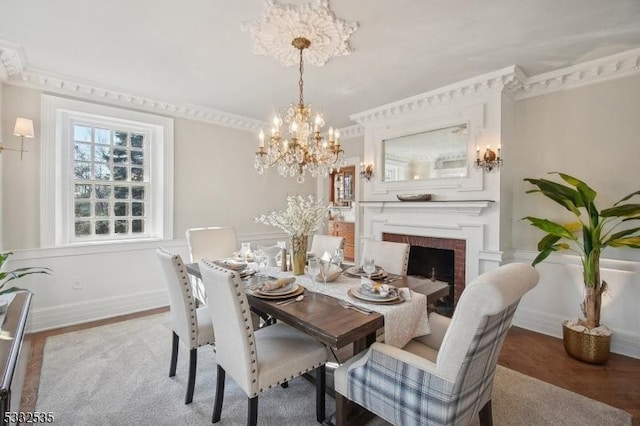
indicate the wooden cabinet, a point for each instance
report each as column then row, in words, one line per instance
column 339, row 228
column 343, row 186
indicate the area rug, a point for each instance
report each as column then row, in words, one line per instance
column 117, row 374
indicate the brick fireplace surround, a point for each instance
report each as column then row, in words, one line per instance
column 458, row 247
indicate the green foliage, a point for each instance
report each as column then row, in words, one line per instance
column 6, row 276
column 596, row 226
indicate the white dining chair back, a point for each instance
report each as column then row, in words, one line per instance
column 390, row 256
column 191, row 325
column 211, row 243
column 325, row 243
column 446, row 377
column 261, row 359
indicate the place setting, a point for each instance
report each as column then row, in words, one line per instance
column 281, row 288
column 368, row 269
column 241, row 267
column 376, row 293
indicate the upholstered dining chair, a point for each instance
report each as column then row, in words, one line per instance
column 444, row 378
column 329, row 243
column 256, row 360
column 191, row 325
column 214, row 242
column 390, row 256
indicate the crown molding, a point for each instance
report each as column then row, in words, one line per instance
column 13, row 70
column 603, row 69
column 351, row 132
column 514, row 82
column 494, row 81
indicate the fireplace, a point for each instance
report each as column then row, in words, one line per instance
column 442, row 258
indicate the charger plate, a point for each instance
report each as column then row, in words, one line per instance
column 287, row 289
column 356, row 272
column 299, row 291
column 353, row 292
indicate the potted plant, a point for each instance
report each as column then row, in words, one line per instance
column 593, row 231
column 6, row 276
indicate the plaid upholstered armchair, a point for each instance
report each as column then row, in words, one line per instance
column 444, row 378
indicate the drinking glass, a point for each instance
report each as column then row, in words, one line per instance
column 325, row 268
column 245, row 249
column 338, row 257
column 313, row 269
column 369, row 266
column 261, row 261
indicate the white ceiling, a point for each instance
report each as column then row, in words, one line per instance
column 194, row 52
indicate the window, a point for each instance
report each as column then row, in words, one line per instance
column 107, row 174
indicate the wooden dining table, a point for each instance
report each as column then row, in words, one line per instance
column 320, row 316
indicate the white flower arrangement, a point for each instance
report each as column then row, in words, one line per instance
column 301, row 217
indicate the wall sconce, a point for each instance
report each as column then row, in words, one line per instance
column 490, row 160
column 366, row 171
column 24, row 129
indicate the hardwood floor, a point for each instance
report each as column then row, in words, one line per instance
column 617, row 383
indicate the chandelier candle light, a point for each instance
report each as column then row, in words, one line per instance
column 306, row 149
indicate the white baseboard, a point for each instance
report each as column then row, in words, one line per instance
column 78, row 313
column 621, row 343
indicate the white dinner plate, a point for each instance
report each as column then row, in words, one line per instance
column 358, row 272
column 393, row 293
column 368, row 297
column 289, row 288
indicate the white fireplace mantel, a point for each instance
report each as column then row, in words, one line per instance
column 462, row 207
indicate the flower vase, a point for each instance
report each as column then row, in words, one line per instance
column 298, row 253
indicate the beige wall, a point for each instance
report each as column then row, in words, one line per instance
column 21, row 179
column 215, row 181
column 592, row 133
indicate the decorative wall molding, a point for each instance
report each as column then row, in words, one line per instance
column 357, row 130
column 273, row 33
column 608, row 68
column 511, row 80
column 79, row 313
column 514, row 82
column 14, row 70
column 464, row 208
column 495, row 81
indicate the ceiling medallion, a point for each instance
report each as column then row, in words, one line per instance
column 272, row 34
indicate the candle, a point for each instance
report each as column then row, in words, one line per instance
column 261, row 139
column 498, row 151
column 318, row 122
column 331, row 134
column 477, row 152
column 337, row 135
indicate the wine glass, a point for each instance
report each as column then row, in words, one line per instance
column 369, row 266
column 338, row 257
column 245, row 249
column 261, row 261
column 313, row 269
column 325, row 268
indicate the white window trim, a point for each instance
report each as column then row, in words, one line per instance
column 55, row 167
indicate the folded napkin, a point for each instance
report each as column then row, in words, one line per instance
column 374, row 287
column 231, row 264
column 275, row 285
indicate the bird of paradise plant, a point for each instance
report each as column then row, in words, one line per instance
column 6, row 276
column 588, row 236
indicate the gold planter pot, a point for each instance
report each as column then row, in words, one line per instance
column 586, row 347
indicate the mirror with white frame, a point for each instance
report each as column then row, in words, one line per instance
column 435, row 154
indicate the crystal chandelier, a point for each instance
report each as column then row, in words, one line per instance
column 305, row 148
